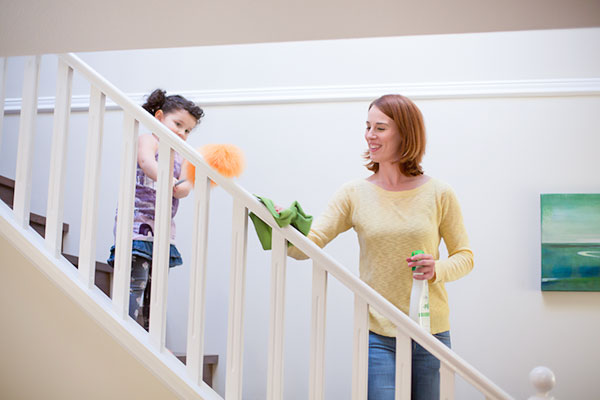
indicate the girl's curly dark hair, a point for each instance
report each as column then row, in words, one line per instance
column 158, row 100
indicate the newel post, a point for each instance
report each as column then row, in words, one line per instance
column 542, row 378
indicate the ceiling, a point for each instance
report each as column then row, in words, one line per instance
column 53, row 26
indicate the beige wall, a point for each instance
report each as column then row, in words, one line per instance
column 51, row 349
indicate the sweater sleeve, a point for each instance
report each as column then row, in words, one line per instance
column 452, row 229
column 336, row 218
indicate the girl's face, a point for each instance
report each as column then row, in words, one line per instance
column 180, row 122
column 382, row 136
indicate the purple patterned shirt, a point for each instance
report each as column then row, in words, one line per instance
column 145, row 201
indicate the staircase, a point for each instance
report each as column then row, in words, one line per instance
column 103, row 272
column 112, row 314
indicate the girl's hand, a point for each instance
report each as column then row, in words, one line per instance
column 425, row 264
column 182, row 189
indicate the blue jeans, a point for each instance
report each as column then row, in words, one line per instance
column 425, row 381
column 141, row 277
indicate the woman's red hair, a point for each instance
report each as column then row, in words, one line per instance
column 409, row 121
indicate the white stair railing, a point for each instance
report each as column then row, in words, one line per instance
column 3, row 68
column 191, row 377
column 243, row 202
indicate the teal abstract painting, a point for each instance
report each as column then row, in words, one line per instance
column 570, row 242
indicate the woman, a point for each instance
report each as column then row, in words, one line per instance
column 396, row 210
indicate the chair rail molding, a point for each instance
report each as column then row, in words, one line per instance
column 350, row 93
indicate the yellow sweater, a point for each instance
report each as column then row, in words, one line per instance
column 390, row 225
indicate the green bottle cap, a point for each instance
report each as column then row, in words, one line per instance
column 414, row 253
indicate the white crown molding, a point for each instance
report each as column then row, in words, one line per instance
column 320, row 94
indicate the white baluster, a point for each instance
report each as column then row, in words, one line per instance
column 543, row 380
column 161, row 250
column 91, row 187
column 196, row 313
column 446, row 382
column 3, row 65
column 58, row 157
column 125, row 206
column 403, row 365
column 360, row 362
column 22, row 196
column 235, row 325
column 276, row 326
column 317, row 333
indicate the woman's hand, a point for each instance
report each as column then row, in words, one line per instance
column 425, row 265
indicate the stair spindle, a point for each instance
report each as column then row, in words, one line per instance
column 91, row 188
column 446, row 382
column 56, row 181
column 196, row 313
column 276, row 326
column 403, row 365
column 360, row 361
column 22, row 196
column 317, row 335
column 237, row 289
column 125, row 205
column 161, row 249
column 3, row 67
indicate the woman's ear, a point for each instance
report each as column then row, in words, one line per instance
column 159, row 114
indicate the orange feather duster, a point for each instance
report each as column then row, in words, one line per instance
column 227, row 159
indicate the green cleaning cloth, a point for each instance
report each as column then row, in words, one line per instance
column 292, row 215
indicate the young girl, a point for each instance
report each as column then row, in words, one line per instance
column 180, row 116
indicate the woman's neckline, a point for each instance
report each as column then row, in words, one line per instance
column 420, row 185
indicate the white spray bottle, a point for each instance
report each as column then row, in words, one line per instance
column 419, row 299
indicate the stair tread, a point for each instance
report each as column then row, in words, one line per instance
column 211, row 359
column 100, row 266
column 7, row 188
